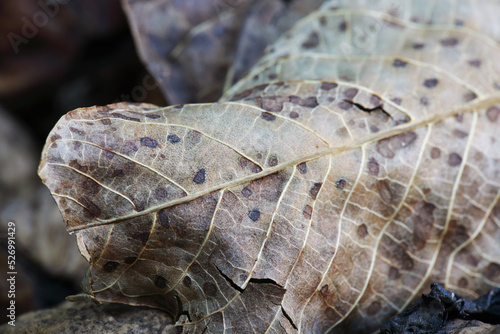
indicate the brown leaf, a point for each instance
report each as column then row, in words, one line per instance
column 328, row 193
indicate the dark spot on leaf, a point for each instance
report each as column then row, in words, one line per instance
column 246, row 192
column 422, row 223
column 393, row 273
column 91, row 187
column 313, row 192
column 459, row 133
column 110, row 266
column 431, row 83
column 345, row 105
column 362, row 231
column 186, row 281
column 435, row 153
column 384, row 190
column 492, row 113
column 475, row 62
column 462, row 283
column 152, row 116
column 302, row 167
column 374, row 308
column 328, row 85
column 129, row 147
column 130, row 259
column 92, row 210
column 399, row 63
column 450, row 41
column 294, row 115
column 307, row 212
column 118, row 115
column 470, row 96
column 55, row 137
column 340, row 184
column 312, row 41
column 373, row 167
column 74, row 164
column 149, row 142
column 209, row 289
column 418, row 46
column 375, row 101
column 243, row 162
column 322, row 21
column 343, row 26
column 108, row 154
column 117, row 173
column 173, row 138
column 160, row 282
column 141, row 236
column 351, row 93
column 194, row 137
column 454, row 159
column 273, row 161
column 493, row 271
column 272, row 76
column 254, row 214
column 161, row 193
column 77, row 131
column 199, row 178
column 271, row 103
column 324, row 290
column 424, row 101
column 397, row 101
column 268, row 116
column 374, row 128
column 163, row 218
column 308, row 102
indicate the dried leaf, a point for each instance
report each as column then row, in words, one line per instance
column 355, row 164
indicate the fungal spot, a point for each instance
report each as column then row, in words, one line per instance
column 273, row 161
column 373, row 167
column 374, row 308
column 492, row 113
column 343, row 26
column 328, row 85
column 194, row 137
column 374, row 128
column 110, row 266
column 272, row 76
column 129, row 147
column 475, row 63
column 209, row 289
column 118, row 173
column 90, row 186
column 118, row 115
column 345, row 105
column 393, row 273
column 161, row 193
column 308, row 102
column 322, row 21
column 312, row 41
column 387, row 147
column 424, row 101
column 186, row 281
column 462, row 283
column 199, row 178
column 160, row 282
column 435, row 153
column 55, row 137
column 384, row 191
column 142, row 237
column 294, row 115
column 418, row 46
column 268, row 116
column 362, row 231
column 163, row 219
column 454, row 159
column 313, row 192
column 375, row 101
column 423, row 221
column 108, row 154
column 459, row 133
column 340, row 184
column 254, row 215
column 246, row 192
column 351, row 93
column 470, row 96
column 77, row 131
column 307, row 212
column 431, row 83
column 149, row 142
column 399, row 63
column 74, row 164
column 272, row 103
column 324, row 290
column 493, row 271
column 130, row 259
column 302, row 167
column 152, row 116
column 92, row 210
column 173, row 138
column 397, row 101
column 450, row 41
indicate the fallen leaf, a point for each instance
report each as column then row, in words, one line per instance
column 356, row 163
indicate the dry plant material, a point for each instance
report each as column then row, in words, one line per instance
column 356, row 163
